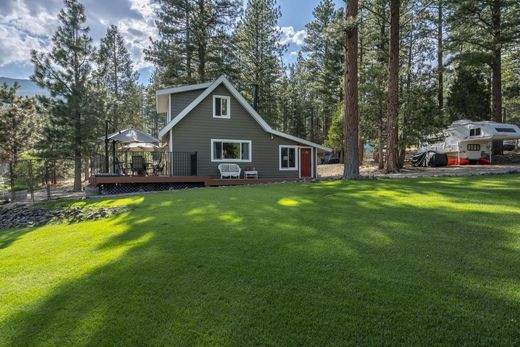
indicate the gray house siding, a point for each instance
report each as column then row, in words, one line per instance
column 181, row 100
column 195, row 131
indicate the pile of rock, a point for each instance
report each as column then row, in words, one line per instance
column 507, row 158
column 19, row 215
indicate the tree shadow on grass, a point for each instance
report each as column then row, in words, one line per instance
column 7, row 237
column 294, row 265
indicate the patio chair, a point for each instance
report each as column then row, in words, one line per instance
column 138, row 165
column 229, row 170
column 120, row 167
column 158, row 169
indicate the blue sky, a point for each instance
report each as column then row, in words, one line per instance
column 29, row 24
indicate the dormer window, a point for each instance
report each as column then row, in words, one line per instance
column 221, row 107
column 474, row 132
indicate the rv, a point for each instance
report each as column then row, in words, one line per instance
column 466, row 142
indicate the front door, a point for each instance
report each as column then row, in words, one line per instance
column 305, row 162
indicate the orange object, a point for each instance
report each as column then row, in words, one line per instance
column 453, row 160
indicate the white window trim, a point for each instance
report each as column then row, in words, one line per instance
column 228, row 100
column 296, row 160
column 232, row 160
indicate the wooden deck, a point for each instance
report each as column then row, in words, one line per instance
column 205, row 180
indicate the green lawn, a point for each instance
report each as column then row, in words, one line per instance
column 415, row 261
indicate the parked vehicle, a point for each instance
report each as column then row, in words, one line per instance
column 467, row 142
column 330, row 158
column 509, row 145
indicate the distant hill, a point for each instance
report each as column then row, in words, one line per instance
column 27, row 87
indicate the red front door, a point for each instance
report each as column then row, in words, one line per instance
column 305, row 162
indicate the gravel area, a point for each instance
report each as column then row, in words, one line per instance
column 335, row 171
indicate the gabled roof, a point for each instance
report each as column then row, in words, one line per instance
column 210, row 88
column 181, row 89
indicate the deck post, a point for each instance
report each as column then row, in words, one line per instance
column 194, row 164
column 106, row 145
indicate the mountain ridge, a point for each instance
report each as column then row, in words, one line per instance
column 27, row 87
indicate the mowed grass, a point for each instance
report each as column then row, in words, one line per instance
column 413, row 262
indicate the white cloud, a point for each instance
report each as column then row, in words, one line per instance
column 291, row 36
column 21, row 31
column 16, row 46
column 36, row 23
column 138, row 31
column 25, row 26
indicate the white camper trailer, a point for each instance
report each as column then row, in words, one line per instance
column 467, row 142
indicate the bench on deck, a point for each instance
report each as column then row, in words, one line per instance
column 229, row 170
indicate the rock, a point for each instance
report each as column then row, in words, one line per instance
column 16, row 216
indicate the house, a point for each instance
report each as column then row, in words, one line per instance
column 215, row 121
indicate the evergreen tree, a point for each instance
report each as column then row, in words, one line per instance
column 66, row 72
column 153, row 121
column 351, row 122
column 259, row 48
column 325, row 60
column 191, row 37
column 468, row 96
column 482, row 30
column 115, row 73
column 18, row 123
column 393, row 88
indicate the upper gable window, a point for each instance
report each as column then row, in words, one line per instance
column 221, row 106
column 474, row 132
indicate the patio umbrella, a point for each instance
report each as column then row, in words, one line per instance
column 141, row 147
column 131, row 136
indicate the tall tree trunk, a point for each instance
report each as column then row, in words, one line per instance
column 440, row 65
column 189, row 50
column 77, row 150
column 393, row 88
column 380, row 141
column 202, row 44
column 496, row 70
column 382, row 60
column 351, row 166
column 407, row 90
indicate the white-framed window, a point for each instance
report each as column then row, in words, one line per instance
column 288, row 158
column 474, row 132
column 473, row 147
column 221, row 106
column 231, row 150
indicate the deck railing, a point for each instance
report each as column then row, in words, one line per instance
column 146, row 164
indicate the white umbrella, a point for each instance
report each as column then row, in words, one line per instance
column 131, row 136
column 141, row 147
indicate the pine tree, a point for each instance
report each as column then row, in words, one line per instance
column 191, row 36
column 66, row 72
column 393, row 88
column 153, row 121
column 468, row 96
column 484, row 30
column 325, row 60
column 351, row 132
column 440, row 55
column 18, row 123
column 259, row 51
column 115, row 73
